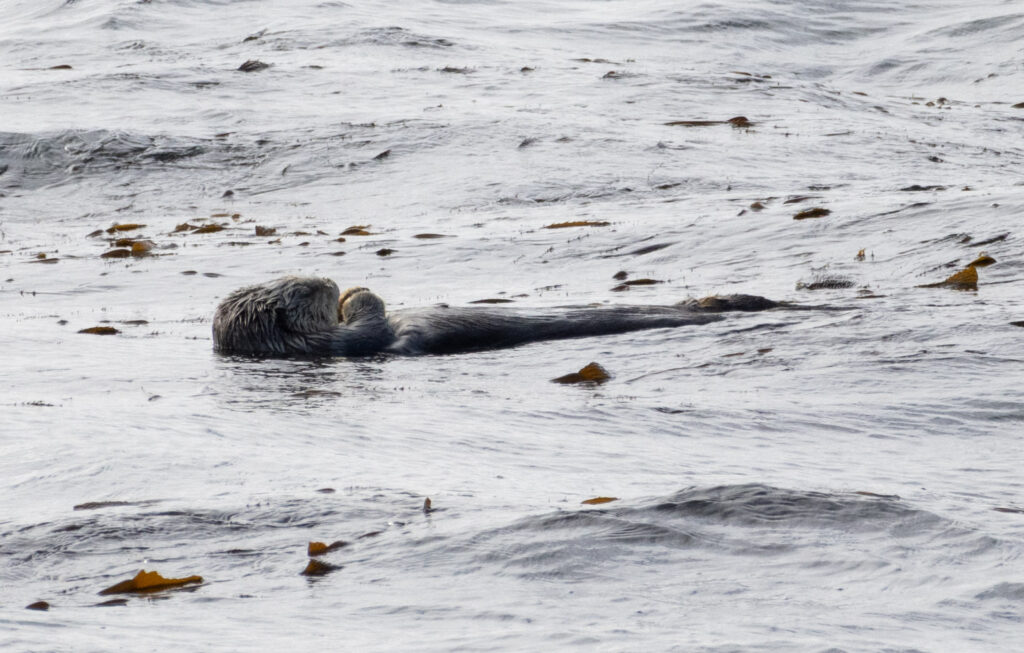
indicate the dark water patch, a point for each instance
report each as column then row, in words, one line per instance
column 253, row 66
column 753, row 505
column 32, row 161
column 731, row 520
column 640, row 251
column 602, row 193
column 1005, row 27
column 1003, row 591
column 825, row 282
column 123, row 533
column 38, row 160
column 394, row 36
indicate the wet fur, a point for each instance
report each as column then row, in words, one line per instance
column 303, row 316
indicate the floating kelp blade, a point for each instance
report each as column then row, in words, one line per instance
column 596, row 501
column 100, row 331
column 966, row 279
column 738, row 121
column 319, row 548
column 209, row 229
column 592, row 373
column 817, row 212
column 149, row 581
column 983, row 260
column 124, row 227
column 578, row 223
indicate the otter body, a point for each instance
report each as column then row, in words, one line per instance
column 309, row 316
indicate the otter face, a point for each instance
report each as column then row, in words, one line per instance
column 306, row 304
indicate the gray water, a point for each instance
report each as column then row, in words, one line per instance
column 821, row 480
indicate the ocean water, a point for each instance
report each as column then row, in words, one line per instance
column 822, row 480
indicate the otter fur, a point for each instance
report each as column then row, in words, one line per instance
column 309, row 316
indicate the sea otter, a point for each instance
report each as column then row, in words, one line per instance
column 310, row 316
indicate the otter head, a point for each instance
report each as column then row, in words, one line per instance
column 305, row 304
column 360, row 304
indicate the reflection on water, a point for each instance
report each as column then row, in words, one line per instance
column 255, row 384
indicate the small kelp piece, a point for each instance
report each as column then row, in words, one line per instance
column 859, row 256
column 982, row 261
column 209, row 229
column 427, row 506
column 816, row 212
column 124, row 227
column 626, row 285
column 578, row 223
column 319, row 548
column 149, row 581
column 117, row 253
column 429, row 236
column 966, row 279
column 596, row 501
column 38, row 605
column 267, row 231
column 319, row 568
column 142, row 247
column 100, row 331
column 592, row 373
column 492, row 300
column 356, row 230
column 110, row 603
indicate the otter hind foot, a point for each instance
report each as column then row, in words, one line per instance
column 727, row 303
